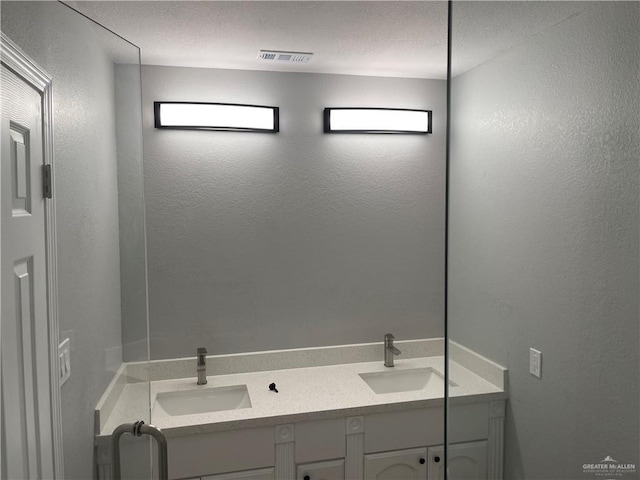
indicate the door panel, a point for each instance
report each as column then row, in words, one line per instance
column 465, row 461
column 396, row 465
column 27, row 449
column 20, row 167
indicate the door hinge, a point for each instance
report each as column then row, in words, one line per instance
column 46, row 181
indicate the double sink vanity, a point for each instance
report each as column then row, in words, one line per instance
column 340, row 414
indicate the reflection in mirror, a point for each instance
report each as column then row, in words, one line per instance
column 543, row 238
column 291, row 256
column 99, row 210
column 300, row 239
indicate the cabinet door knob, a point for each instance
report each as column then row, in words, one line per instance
column 307, row 477
column 422, row 461
column 436, row 459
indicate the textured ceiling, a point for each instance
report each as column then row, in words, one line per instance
column 482, row 30
column 388, row 38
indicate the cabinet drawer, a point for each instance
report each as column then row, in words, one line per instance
column 320, row 440
column 262, row 474
column 210, row 453
column 329, row 470
column 393, row 431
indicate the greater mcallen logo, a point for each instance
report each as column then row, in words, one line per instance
column 608, row 467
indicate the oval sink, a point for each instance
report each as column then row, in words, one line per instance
column 394, row 381
column 202, row 400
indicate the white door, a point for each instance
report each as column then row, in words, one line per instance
column 27, row 432
column 396, row 465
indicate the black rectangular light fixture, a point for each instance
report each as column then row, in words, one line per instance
column 377, row 120
column 230, row 117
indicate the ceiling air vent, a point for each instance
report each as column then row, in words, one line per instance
column 290, row 57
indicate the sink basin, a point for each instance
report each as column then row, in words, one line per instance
column 202, row 400
column 394, row 381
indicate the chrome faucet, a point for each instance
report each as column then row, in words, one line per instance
column 202, row 366
column 389, row 350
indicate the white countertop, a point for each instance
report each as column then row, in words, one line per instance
column 310, row 393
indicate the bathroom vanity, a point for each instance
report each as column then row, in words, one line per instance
column 350, row 420
column 392, row 445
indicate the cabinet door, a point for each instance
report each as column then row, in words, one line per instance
column 467, row 461
column 331, row 470
column 261, row 474
column 396, row 465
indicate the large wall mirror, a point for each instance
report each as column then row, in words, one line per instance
column 300, row 239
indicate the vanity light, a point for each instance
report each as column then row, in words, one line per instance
column 377, row 120
column 216, row 116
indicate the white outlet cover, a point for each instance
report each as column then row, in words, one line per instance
column 535, row 362
column 64, row 360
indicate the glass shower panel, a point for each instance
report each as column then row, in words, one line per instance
column 543, row 281
column 291, row 255
column 101, row 252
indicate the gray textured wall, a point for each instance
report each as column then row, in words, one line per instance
column 544, row 236
column 262, row 241
column 86, row 208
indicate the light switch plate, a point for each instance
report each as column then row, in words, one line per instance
column 64, row 360
column 535, row 362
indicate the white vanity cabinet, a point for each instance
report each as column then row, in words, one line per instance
column 389, row 445
column 328, row 470
column 408, row 464
column 467, row 461
column 395, row 443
